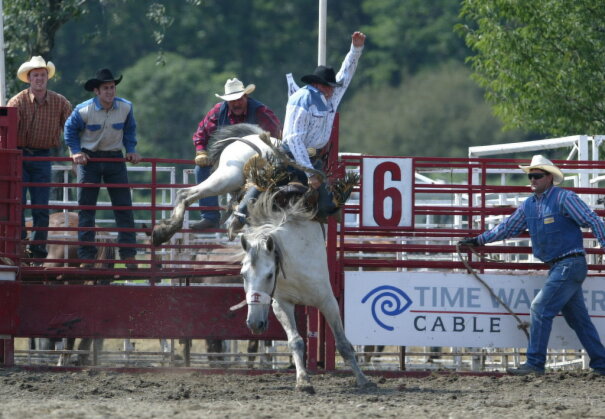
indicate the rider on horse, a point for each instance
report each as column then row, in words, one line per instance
column 308, row 123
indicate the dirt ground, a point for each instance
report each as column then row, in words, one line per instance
column 107, row 394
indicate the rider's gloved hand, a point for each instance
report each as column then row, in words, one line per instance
column 469, row 241
column 202, row 159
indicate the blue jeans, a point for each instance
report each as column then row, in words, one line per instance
column 201, row 174
column 325, row 199
column 97, row 173
column 562, row 292
column 37, row 171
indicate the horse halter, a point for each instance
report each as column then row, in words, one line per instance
column 260, row 297
column 254, row 297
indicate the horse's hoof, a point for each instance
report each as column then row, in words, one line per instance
column 368, row 385
column 161, row 233
column 305, row 388
column 156, row 238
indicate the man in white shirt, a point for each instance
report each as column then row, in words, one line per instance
column 308, row 124
column 311, row 110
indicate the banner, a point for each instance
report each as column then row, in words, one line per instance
column 453, row 309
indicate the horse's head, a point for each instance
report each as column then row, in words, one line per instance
column 259, row 271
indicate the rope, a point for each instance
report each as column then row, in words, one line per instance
column 521, row 324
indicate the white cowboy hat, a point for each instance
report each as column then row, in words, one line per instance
column 234, row 89
column 33, row 63
column 540, row 162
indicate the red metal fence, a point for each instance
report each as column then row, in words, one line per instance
column 452, row 199
column 466, row 197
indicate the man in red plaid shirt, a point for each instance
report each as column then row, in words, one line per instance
column 237, row 107
column 42, row 114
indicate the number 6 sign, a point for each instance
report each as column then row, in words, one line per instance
column 386, row 200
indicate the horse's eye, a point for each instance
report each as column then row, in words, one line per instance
column 269, row 277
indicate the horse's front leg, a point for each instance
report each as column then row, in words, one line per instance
column 330, row 311
column 165, row 229
column 284, row 312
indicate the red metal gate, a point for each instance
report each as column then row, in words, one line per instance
column 452, row 198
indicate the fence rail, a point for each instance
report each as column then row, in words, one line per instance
column 452, row 199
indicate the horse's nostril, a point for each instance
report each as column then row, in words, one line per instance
column 257, row 327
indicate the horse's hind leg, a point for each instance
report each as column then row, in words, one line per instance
column 85, row 344
column 68, row 345
column 252, row 349
column 285, row 314
column 332, row 315
column 215, row 346
column 224, row 179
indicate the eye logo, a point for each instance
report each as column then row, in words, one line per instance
column 392, row 301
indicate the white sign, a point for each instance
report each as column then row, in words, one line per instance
column 7, row 273
column 450, row 309
column 386, row 199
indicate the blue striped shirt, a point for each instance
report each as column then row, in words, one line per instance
column 310, row 116
column 571, row 204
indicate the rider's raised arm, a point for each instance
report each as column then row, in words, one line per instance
column 348, row 67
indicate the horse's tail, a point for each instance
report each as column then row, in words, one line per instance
column 227, row 135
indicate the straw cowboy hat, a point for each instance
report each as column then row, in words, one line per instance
column 33, row 63
column 323, row 75
column 234, row 89
column 104, row 75
column 540, row 162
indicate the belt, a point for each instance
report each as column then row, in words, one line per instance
column 30, row 150
column 571, row 255
column 100, row 153
column 311, row 151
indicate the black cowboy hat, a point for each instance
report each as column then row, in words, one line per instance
column 103, row 76
column 323, row 75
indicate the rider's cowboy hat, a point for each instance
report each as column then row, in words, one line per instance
column 234, row 89
column 323, row 75
column 104, row 75
column 32, row 64
column 540, row 162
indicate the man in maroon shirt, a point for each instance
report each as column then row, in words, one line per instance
column 237, row 107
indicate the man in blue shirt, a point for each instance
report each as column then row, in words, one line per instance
column 100, row 128
column 553, row 216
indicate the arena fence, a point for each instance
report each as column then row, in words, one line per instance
column 168, row 297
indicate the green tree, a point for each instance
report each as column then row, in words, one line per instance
column 542, row 62
column 169, row 101
column 405, row 37
column 33, row 27
column 30, row 28
column 440, row 112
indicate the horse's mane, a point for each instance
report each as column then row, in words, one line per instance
column 266, row 217
column 219, row 139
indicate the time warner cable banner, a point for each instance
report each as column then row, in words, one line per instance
column 452, row 309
